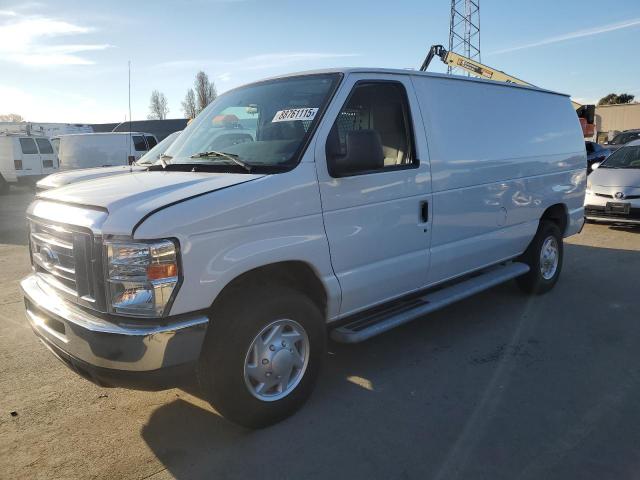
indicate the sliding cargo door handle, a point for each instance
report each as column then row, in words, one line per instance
column 424, row 211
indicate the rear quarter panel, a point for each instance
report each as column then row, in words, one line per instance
column 500, row 155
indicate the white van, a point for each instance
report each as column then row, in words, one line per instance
column 86, row 150
column 80, row 175
column 366, row 198
column 25, row 159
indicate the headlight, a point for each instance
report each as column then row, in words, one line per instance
column 141, row 277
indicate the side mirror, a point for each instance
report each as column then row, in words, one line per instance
column 595, row 165
column 364, row 153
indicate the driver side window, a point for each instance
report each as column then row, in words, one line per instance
column 372, row 132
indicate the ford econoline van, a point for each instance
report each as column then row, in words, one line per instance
column 86, row 150
column 362, row 199
column 25, row 159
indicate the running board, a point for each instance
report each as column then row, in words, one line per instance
column 364, row 326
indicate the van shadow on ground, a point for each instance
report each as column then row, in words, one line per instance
column 498, row 386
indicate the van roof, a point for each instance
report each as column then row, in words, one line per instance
column 416, row 73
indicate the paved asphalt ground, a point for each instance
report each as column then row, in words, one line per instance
column 500, row 386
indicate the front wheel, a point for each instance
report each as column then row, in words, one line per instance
column 544, row 257
column 262, row 356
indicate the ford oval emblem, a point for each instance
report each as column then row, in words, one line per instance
column 49, row 257
column 619, row 195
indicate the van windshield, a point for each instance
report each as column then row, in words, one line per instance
column 264, row 126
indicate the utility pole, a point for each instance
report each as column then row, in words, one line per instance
column 464, row 30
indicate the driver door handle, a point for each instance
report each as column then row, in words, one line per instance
column 424, row 211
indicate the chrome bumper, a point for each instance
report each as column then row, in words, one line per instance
column 597, row 218
column 95, row 341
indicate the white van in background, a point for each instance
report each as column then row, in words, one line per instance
column 86, row 150
column 25, row 159
column 60, row 179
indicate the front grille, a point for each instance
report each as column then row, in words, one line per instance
column 69, row 260
column 626, row 197
column 600, row 211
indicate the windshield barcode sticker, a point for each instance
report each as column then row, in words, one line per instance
column 295, row 114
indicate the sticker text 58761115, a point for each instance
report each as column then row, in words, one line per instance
column 293, row 114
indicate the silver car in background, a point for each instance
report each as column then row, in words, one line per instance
column 613, row 189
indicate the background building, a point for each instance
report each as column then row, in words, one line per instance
column 618, row 118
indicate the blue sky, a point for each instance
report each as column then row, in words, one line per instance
column 66, row 61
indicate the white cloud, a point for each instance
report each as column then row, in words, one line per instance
column 573, row 35
column 26, row 40
column 7, row 13
column 51, row 105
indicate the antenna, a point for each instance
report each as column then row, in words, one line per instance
column 464, row 30
column 130, row 137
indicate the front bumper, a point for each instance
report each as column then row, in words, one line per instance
column 137, row 354
column 596, row 207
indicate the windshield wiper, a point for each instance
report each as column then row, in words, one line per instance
column 163, row 159
column 227, row 156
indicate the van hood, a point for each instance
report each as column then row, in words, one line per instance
column 60, row 179
column 129, row 198
column 616, row 177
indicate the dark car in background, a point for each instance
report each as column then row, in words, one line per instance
column 596, row 153
column 622, row 138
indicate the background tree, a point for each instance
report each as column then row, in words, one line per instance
column 158, row 108
column 189, row 104
column 616, row 99
column 11, row 117
column 205, row 91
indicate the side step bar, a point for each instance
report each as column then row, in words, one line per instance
column 364, row 326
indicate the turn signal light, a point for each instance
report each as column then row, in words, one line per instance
column 161, row 271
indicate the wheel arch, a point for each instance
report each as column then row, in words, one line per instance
column 295, row 274
column 558, row 214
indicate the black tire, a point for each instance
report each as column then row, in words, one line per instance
column 534, row 282
column 4, row 186
column 235, row 324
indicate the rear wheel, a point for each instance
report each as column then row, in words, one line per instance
column 544, row 257
column 262, row 357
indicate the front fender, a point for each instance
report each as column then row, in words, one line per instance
column 227, row 233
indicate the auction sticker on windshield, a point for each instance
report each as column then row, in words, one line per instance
column 293, row 114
